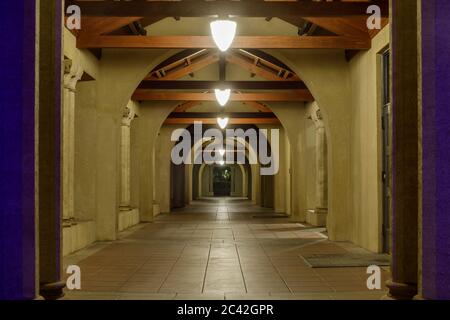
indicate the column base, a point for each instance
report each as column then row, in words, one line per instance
column 156, row 209
column 52, row 291
column 317, row 217
column 401, row 291
column 128, row 218
column 125, row 208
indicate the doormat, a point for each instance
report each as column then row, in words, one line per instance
column 346, row 260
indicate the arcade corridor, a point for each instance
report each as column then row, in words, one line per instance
column 225, row 150
column 219, row 249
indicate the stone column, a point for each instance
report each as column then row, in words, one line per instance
column 319, row 216
column 211, row 181
column 405, row 141
column 49, row 149
column 125, row 166
column 233, row 181
column 72, row 74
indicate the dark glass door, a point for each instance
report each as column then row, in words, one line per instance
column 386, row 152
column 222, row 181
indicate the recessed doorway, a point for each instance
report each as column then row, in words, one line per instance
column 222, row 181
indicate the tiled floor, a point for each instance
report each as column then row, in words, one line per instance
column 218, row 249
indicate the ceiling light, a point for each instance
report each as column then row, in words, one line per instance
column 222, row 96
column 223, row 33
column 222, row 122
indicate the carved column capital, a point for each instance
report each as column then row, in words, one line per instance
column 316, row 118
column 128, row 116
column 72, row 74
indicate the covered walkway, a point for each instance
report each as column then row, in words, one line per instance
column 219, row 248
column 116, row 143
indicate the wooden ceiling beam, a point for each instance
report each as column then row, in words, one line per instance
column 248, row 42
column 99, row 26
column 255, row 68
column 231, row 121
column 199, row 8
column 181, row 69
column 215, row 115
column 211, row 85
column 185, row 106
column 293, row 95
column 339, row 26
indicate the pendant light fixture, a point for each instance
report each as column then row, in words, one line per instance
column 222, row 122
column 222, row 152
column 223, row 33
column 222, row 96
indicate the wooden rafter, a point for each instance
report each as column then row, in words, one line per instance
column 293, row 95
column 339, row 26
column 250, row 42
column 185, row 66
column 185, row 106
column 215, row 115
column 235, row 8
column 90, row 25
column 260, row 67
column 231, row 121
column 211, row 85
column 203, row 58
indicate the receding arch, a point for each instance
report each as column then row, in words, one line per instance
column 331, row 90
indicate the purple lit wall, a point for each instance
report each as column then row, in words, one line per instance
column 436, row 149
column 17, row 102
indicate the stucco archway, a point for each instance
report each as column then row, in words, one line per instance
column 331, row 89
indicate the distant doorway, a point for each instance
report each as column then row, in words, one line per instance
column 222, row 181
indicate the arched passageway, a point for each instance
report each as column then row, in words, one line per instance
column 102, row 161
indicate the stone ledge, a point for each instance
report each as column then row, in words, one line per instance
column 78, row 236
column 317, row 218
column 128, row 219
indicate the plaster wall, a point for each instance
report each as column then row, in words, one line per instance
column 326, row 73
column 206, row 184
column 366, row 144
column 152, row 116
column 310, row 159
column 288, row 181
column 281, row 188
column 83, row 233
column 134, row 164
column 85, row 150
column 347, row 94
column 121, row 72
column 163, row 174
column 280, row 201
column 84, row 58
column 237, row 181
column 293, row 118
column 256, row 184
column 188, row 184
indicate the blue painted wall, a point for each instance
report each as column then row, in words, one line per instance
column 17, row 106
